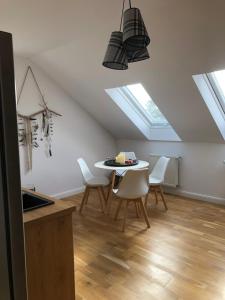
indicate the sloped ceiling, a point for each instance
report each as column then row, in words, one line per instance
column 68, row 40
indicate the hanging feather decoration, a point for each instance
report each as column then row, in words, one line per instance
column 32, row 129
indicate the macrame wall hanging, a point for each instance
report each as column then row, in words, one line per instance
column 37, row 127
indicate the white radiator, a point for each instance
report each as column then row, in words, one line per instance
column 172, row 172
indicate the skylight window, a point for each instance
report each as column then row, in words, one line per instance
column 217, row 80
column 148, row 107
column 139, row 107
column 212, row 89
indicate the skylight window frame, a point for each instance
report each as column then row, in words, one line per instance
column 210, row 97
column 217, row 92
column 151, row 132
column 140, row 109
column 124, row 92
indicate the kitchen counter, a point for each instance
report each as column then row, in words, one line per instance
column 60, row 207
column 49, row 251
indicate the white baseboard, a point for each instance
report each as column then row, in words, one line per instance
column 69, row 193
column 196, row 196
column 173, row 191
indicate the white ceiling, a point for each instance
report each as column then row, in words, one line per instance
column 68, row 40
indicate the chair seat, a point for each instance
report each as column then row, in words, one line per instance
column 154, row 181
column 98, row 181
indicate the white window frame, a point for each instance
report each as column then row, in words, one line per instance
column 217, row 90
column 123, row 100
column 131, row 99
column 212, row 101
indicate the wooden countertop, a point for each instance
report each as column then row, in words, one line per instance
column 60, row 207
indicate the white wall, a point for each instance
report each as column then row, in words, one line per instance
column 202, row 171
column 76, row 134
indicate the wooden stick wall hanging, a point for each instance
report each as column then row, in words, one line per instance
column 36, row 127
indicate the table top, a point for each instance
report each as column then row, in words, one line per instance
column 141, row 164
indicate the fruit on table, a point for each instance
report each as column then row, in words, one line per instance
column 129, row 161
column 120, row 158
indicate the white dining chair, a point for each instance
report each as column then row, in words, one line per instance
column 133, row 188
column 130, row 155
column 156, row 179
column 92, row 182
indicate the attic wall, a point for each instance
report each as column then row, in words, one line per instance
column 76, row 134
column 202, row 168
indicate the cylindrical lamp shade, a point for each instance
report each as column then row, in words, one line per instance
column 135, row 35
column 138, row 55
column 116, row 57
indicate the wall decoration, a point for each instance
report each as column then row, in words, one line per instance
column 129, row 45
column 37, row 127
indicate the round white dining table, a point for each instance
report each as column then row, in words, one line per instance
column 118, row 170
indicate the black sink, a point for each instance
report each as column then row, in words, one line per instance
column 31, row 202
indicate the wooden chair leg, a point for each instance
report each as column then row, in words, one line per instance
column 146, row 198
column 137, row 209
column 102, row 204
column 144, row 213
column 156, row 195
column 87, row 196
column 86, row 193
column 163, row 198
column 109, row 197
column 125, row 215
column 120, row 201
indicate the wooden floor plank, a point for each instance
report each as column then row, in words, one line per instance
column 182, row 255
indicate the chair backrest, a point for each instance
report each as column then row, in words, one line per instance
column 134, row 184
column 130, row 155
column 159, row 169
column 86, row 173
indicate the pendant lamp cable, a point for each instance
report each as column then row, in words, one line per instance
column 121, row 21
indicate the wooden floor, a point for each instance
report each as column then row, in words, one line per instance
column 182, row 255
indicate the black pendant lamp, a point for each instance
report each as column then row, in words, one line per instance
column 131, row 44
column 116, row 56
column 138, row 55
column 135, row 35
